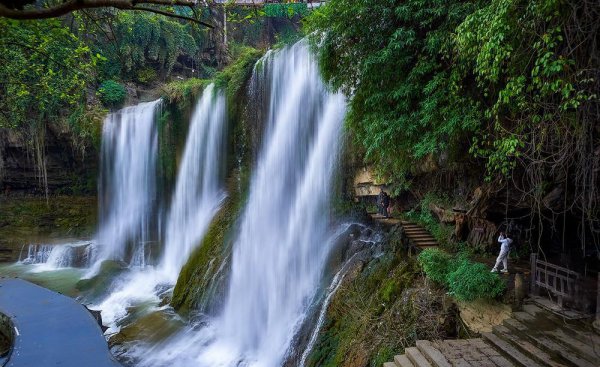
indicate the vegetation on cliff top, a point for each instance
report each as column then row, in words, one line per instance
column 513, row 82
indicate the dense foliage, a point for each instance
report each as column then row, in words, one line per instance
column 466, row 280
column 516, row 80
column 395, row 63
column 513, row 83
column 45, row 68
column 137, row 44
column 112, row 93
column 286, row 10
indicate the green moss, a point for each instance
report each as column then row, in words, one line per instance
column 371, row 316
column 60, row 216
column 196, row 276
column 235, row 76
column 183, row 91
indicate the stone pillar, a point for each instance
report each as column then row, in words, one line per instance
column 597, row 322
column 520, row 290
column 533, row 289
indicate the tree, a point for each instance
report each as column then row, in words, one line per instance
column 394, row 58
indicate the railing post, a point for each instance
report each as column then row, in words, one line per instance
column 597, row 322
column 533, row 290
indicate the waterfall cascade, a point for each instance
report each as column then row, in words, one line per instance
column 282, row 246
column 197, row 197
column 198, row 193
column 280, row 252
column 127, row 184
column 77, row 254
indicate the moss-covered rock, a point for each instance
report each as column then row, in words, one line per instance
column 382, row 306
column 99, row 283
column 202, row 277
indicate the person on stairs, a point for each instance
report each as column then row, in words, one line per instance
column 386, row 204
column 380, row 201
column 505, row 242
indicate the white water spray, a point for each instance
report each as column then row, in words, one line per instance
column 282, row 246
column 127, row 187
column 197, row 197
column 199, row 192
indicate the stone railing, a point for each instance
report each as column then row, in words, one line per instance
column 561, row 282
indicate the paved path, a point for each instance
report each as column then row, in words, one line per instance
column 534, row 337
column 53, row 330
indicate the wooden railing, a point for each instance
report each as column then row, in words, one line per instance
column 563, row 283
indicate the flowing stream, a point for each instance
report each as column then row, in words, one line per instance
column 283, row 242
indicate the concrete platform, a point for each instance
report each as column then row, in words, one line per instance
column 51, row 329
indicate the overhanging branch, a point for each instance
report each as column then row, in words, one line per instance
column 69, row 6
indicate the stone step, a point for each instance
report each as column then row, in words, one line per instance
column 432, row 354
column 585, row 350
column 389, row 364
column 545, row 343
column 509, row 351
column 422, row 237
column 416, row 357
column 417, row 233
column 573, row 328
column 403, row 361
column 526, row 347
column 426, row 243
column 566, row 337
column 420, row 234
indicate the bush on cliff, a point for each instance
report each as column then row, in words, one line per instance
column 465, row 280
column 112, row 93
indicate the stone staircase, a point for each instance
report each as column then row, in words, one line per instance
column 532, row 338
column 419, row 236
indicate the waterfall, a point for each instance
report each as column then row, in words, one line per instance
column 127, row 185
column 51, row 257
column 279, row 256
column 197, row 197
column 198, row 192
column 281, row 249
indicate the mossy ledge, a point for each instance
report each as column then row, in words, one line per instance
column 201, row 278
column 382, row 306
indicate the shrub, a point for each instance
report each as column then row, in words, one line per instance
column 112, row 93
column 436, row 264
column 464, row 279
column 146, row 75
column 470, row 281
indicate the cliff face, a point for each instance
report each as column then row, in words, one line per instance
column 68, row 170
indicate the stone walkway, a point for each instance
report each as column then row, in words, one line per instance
column 534, row 337
column 51, row 329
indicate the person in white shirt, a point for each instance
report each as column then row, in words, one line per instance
column 504, row 249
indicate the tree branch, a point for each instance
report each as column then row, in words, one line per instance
column 69, row 6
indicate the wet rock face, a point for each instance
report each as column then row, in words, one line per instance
column 68, row 170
